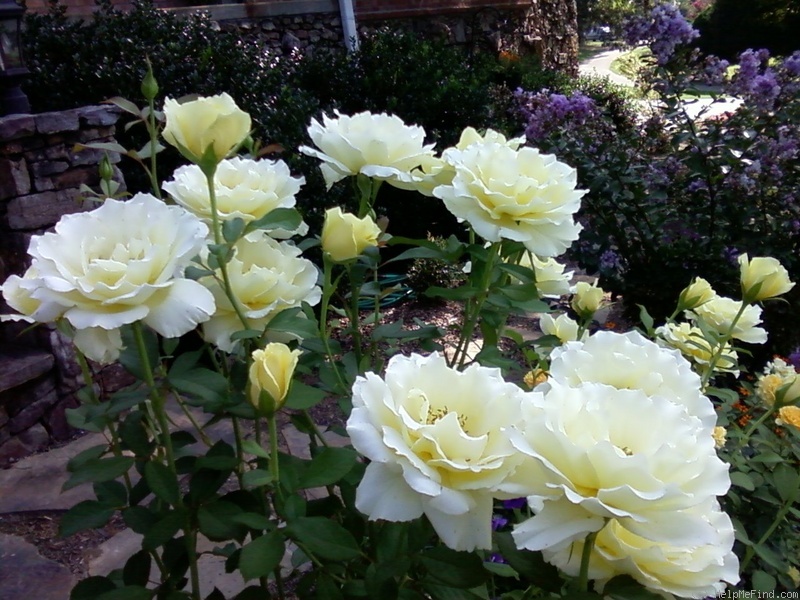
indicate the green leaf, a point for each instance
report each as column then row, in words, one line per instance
column 441, row 592
column 232, row 229
column 137, row 569
column 139, row 518
column 646, row 319
column 279, row 218
column 742, row 480
column 454, row 569
column 463, row 292
column 88, row 514
column 99, row 469
column 626, row 588
column 529, row 564
column 252, row 447
column 324, row 538
column 200, row 383
column 134, row 435
column 124, row 104
column 164, row 530
column 303, row 397
column 163, row 482
column 112, row 493
column 294, row 321
column 328, row 467
column 129, row 356
column 256, row 478
column 786, row 481
column 91, row 587
column 764, row 582
column 130, row 592
column 215, row 520
column 261, row 556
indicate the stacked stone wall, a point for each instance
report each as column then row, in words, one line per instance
column 42, row 169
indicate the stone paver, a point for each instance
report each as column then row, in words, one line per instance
column 27, row 575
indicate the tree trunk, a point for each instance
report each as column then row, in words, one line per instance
column 552, row 33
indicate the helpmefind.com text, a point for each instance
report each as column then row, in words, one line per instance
column 755, row 594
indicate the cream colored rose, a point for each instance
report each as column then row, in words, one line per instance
column 719, row 314
column 345, row 236
column 693, row 345
column 696, row 294
column 439, row 171
column 266, row 277
column 118, row 264
column 763, row 277
column 551, row 280
column 271, row 376
column 588, row 299
column 564, row 328
column 213, row 125
column 379, row 146
column 630, row 361
column 685, row 571
column 596, row 452
column 245, row 189
column 435, row 444
column 519, row 195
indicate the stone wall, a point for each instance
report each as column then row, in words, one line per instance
column 41, row 171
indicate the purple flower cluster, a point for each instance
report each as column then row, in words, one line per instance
column 543, row 112
column 663, row 30
column 755, row 82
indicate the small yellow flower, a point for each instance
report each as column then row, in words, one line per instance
column 535, row 377
column 719, row 434
column 587, row 299
column 794, row 574
column 767, row 386
column 789, row 415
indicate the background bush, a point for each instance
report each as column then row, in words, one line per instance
column 732, row 26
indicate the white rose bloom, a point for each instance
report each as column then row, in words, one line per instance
column 266, row 277
column 631, row 361
column 120, row 263
column 719, row 312
column 438, row 445
column 564, row 328
column 519, row 195
column 690, row 571
column 598, row 453
column 245, row 189
column 379, row 146
column 551, row 280
column 693, row 345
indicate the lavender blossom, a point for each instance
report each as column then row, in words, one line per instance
column 663, row 30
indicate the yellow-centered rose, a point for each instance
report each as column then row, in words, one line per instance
column 763, row 277
column 208, row 128
column 789, row 415
column 345, row 236
column 271, row 375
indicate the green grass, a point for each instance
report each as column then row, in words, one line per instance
column 631, row 63
column 589, row 50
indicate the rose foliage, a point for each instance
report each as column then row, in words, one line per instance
column 474, row 463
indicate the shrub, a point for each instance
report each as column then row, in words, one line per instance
column 678, row 196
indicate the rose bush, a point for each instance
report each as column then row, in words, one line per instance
column 484, row 464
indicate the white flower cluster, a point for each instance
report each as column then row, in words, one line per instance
column 618, row 442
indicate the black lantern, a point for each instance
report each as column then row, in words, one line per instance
column 12, row 65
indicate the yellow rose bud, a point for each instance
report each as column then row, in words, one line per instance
column 345, row 236
column 535, row 377
column 763, row 277
column 587, row 299
column 794, row 575
column 719, row 434
column 205, row 130
column 696, row 294
column 270, row 376
column 789, row 415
